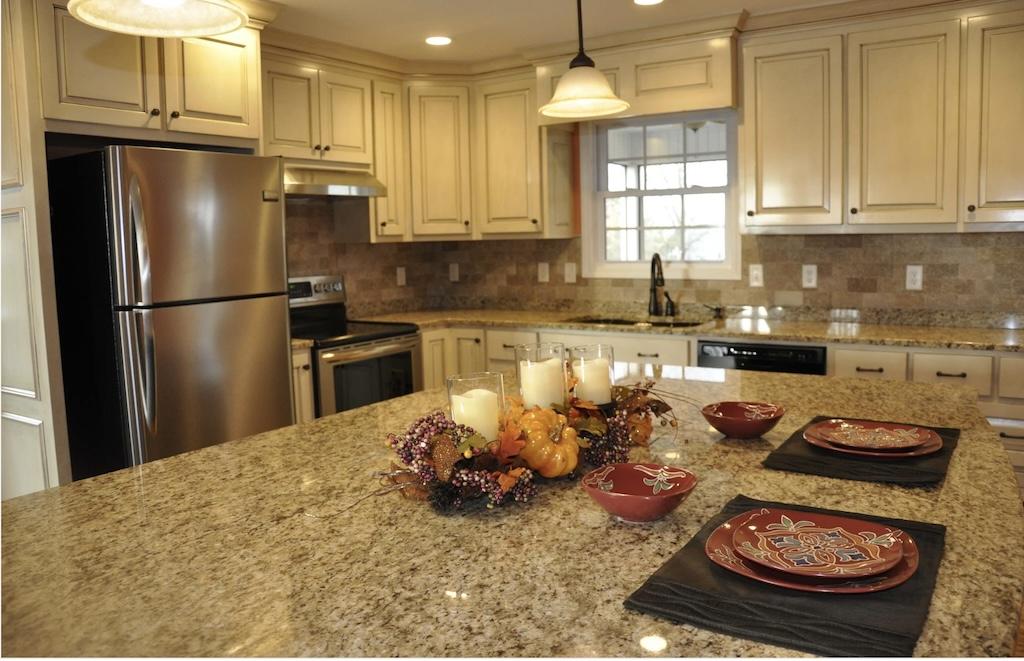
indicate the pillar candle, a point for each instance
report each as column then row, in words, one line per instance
column 543, row 383
column 595, row 383
column 478, row 409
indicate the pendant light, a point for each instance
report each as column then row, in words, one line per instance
column 583, row 91
column 160, row 18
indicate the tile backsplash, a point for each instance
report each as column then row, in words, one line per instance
column 969, row 279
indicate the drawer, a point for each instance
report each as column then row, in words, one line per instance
column 651, row 350
column 871, row 364
column 501, row 343
column 1011, row 377
column 974, row 371
column 571, row 339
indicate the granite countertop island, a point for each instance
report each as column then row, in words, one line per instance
column 247, row 548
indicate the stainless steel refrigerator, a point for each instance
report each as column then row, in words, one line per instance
column 172, row 301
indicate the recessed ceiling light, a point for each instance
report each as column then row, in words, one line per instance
column 645, row 3
column 439, row 41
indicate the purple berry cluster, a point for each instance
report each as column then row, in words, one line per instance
column 476, row 483
column 413, row 447
column 613, row 446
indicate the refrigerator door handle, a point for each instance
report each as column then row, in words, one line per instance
column 141, row 266
column 147, row 370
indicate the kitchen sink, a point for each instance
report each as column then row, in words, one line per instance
column 657, row 323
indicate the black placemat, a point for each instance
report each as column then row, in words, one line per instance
column 797, row 455
column 690, row 589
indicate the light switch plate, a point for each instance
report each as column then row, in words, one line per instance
column 543, row 272
column 400, row 276
column 756, row 275
column 453, row 272
column 570, row 272
column 915, row 277
column 809, row 276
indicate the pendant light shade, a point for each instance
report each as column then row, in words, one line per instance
column 160, row 18
column 583, row 91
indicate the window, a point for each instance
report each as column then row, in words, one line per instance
column 663, row 185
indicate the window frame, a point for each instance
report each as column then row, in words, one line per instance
column 592, row 229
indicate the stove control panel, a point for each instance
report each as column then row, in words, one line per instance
column 316, row 290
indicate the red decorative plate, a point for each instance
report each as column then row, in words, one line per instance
column 930, row 447
column 810, row 544
column 874, row 436
column 720, row 550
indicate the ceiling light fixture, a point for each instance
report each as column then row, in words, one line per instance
column 439, row 41
column 647, row 3
column 160, row 18
column 583, row 91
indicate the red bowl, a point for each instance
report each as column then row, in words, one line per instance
column 639, row 492
column 743, row 419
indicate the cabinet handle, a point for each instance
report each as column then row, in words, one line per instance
column 327, row 148
column 854, row 211
column 1003, row 434
column 750, row 213
column 508, row 346
column 155, row 112
column 647, row 355
column 175, row 114
column 879, row 370
column 316, row 148
column 305, row 367
column 961, row 375
column 971, row 208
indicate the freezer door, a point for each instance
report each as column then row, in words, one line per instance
column 190, row 225
column 202, row 374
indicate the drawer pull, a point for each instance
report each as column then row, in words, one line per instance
column 647, row 355
column 960, row 375
column 508, row 346
column 877, row 370
column 1003, row 434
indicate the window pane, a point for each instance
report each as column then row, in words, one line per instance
column 663, row 211
column 705, row 209
column 705, row 245
column 622, row 246
column 623, row 176
column 667, row 243
column 703, row 137
column 625, row 143
column 663, row 176
column 621, row 212
column 665, row 140
column 709, row 174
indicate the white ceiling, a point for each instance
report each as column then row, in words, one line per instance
column 488, row 29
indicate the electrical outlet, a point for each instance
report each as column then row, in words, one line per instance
column 915, row 277
column 570, row 272
column 400, row 276
column 543, row 272
column 756, row 275
column 809, row 276
column 453, row 272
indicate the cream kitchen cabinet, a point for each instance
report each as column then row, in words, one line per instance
column 501, row 347
column 973, row 371
column 559, row 169
column 994, row 177
column 793, row 148
column 316, row 113
column 440, row 167
column 210, row 85
column 302, row 386
column 451, row 351
column 506, row 148
column 902, row 104
column 391, row 212
column 869, row 364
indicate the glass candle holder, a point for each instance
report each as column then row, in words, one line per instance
column 477, row 401
column 540, row 369
column 593, row 365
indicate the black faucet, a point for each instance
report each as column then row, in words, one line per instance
column 657, row 280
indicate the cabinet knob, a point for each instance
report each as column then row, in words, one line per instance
column 305, row 367
column 175, row 114
column 466, row 223
column 383, row 223
column 327, row 148
column 477, row 340
column 971, row 208
column 155, row 112
column 316, row 148
column 853, row 210
column 534, row 221
column 750, row 213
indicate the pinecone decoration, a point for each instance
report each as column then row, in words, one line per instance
column 445, row 454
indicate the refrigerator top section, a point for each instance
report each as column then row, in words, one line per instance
column 328, row 326
column 192, row 226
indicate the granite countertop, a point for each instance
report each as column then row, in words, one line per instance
column 944, row 337
column 247, row 548
column 301, row 344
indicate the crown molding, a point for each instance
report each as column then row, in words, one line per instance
column 260, row 12
column 852, row 9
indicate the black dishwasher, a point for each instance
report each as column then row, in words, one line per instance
column 761, row 357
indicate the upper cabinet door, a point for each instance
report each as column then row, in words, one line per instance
column 212, row 84
column 994, row 180
column 291, row 110
column 903, row 100
column 390, row 162
column 507, row 144
column 346, row 125
column 793, row 147
column 439, row 135
column 91, row 75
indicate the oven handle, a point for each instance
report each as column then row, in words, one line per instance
column 353, row 355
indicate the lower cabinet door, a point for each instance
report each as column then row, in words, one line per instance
column 434, row 357
column 302, row 386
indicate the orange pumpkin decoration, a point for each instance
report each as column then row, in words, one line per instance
column 551, row 446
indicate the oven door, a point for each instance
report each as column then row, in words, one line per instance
column 359, row 374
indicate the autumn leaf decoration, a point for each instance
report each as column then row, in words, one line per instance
column 508, row 480
column 509, row 443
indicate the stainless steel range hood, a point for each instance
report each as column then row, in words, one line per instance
column 313, row 181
